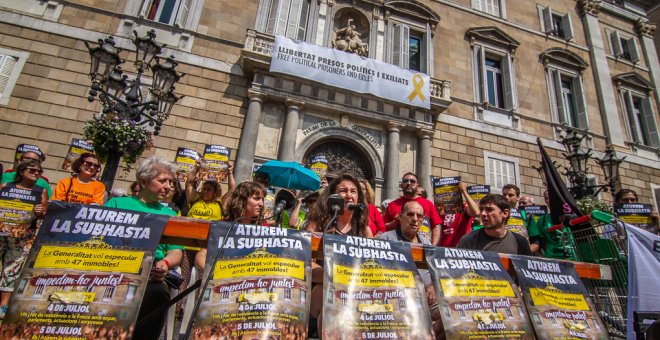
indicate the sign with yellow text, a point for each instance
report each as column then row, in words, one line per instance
column 85, row 273
column 372, row 290
column 476, row 297
column 261, row 285
column 556, row 300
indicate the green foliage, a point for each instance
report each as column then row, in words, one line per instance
column 109, row 134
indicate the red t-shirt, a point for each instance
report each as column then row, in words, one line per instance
column 375, row 220
column 394, row 208
column 454, row 226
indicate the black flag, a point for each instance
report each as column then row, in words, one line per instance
column 561, row 201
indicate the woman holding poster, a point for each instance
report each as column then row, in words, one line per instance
column 82, row 187
column 21, row 203
column 206, row 204
column 246, row 203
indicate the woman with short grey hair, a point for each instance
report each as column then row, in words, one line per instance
column 155, row 177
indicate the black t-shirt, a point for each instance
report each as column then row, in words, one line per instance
column 511, row 243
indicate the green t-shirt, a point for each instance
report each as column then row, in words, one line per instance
column 135, row 204
column 285, row 219
column 8, row 177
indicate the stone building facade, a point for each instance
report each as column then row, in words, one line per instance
column 503, row 72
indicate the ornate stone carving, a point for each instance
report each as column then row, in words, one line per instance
column 588, row 7
column 342, row 158
column 643, row 27
column 348, row 40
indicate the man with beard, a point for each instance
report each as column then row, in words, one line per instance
column 494, row 236
column 430, row 226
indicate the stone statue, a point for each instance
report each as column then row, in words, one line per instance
column 347, row 39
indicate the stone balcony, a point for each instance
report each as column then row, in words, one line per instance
column 258, row 49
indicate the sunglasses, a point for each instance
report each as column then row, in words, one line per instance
column 92, row 165
column 408, row 180
column 27, row 159
column 34, row 171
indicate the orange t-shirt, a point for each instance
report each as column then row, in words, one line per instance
column 85, row 193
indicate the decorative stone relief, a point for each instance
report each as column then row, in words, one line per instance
column 588, row 7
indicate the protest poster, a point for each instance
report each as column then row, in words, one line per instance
column 446, row 192
column 16, row 212
column 477, row 192
column 23, row 148
column 319, row 164
column 372, row 290
column 636, row 214
column 86, row 273
column 269, row 202
column 185, row 161
column 534, row 212
column 260, row 286
column 78, row 147
column 215, row 163
column 476, row 296
column 557, row 302
column 516, row 223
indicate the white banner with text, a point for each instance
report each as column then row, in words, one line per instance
column 351, row 72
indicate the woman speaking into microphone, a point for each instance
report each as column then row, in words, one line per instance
column 351, row 220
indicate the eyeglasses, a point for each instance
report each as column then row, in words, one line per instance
column 92, row 165
column 408, row 180
column 34, row 171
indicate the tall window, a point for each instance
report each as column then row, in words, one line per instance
column 568, row 103
column 494, row 78
column 640, row 118
column 170, row 12
column 624, row 47
column 409, row 48
column 500, row 170
column 556, row 24
column 288, row 18
column 494, row 85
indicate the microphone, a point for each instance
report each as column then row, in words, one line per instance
column 279, row 208
column 336, row 203
column 204, row 284
column 358, row 207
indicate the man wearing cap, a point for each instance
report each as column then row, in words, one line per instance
column 409, row 185
column 28, row 156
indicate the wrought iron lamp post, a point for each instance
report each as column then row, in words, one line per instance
column 578, row 159
column 125, row 99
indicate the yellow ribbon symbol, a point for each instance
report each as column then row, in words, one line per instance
column 418, row 82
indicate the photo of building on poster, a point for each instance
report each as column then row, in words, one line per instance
column 215, row 163
column 516, row 223
column 85, row 275
column 557, row 301
column 77, row 148
column 476, row 296
column 260, row 286
column 372, row 290
column 446, row 192
column 185, row 161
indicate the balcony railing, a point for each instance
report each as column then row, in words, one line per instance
column 259, row 49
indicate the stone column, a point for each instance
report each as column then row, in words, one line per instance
column 248, row 142
column 287, row 148
column 424, row 137
column 645, row 31
column 392, row 162
column 603, row 79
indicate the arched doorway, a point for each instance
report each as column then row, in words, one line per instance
column 342, row 158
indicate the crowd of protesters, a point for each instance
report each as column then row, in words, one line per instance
column 413, row 217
